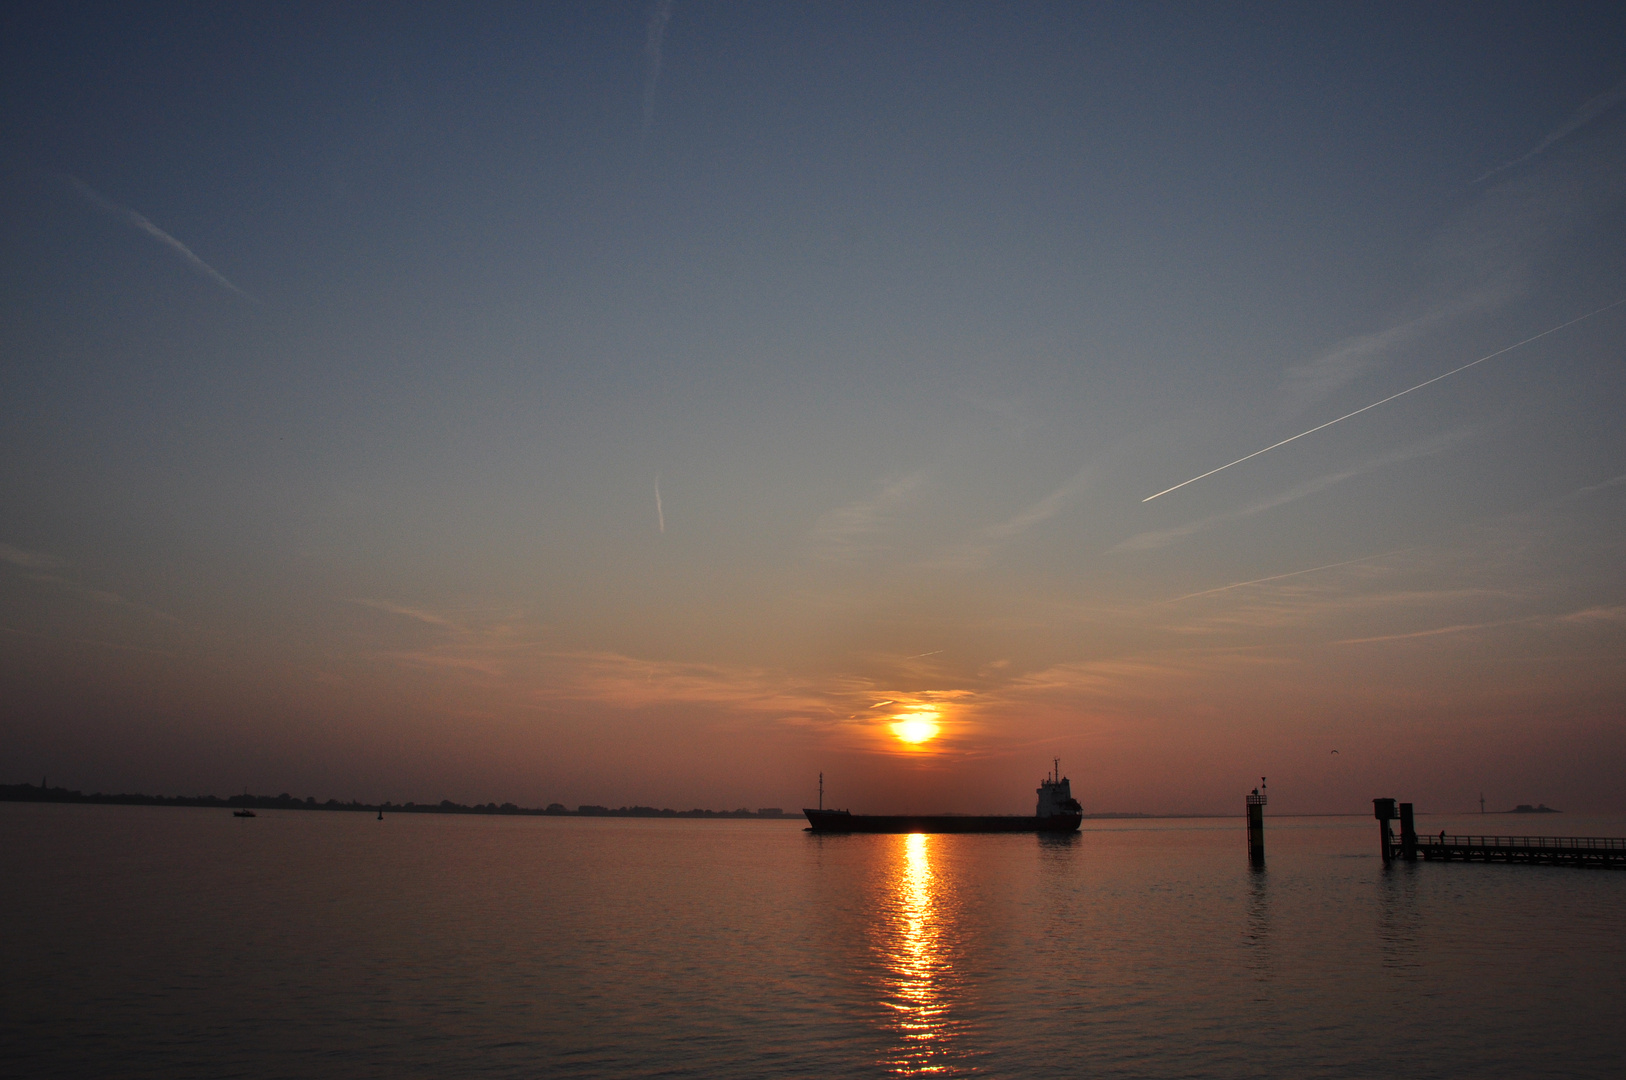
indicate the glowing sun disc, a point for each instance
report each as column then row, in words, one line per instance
column 914, row 731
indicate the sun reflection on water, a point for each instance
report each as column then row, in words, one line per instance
column 921, row 973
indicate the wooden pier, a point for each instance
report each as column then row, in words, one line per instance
column 1567, row 850
column 1599, row 851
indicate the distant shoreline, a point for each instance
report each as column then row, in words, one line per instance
column 38, row 793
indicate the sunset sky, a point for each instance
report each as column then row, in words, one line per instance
column 658, row 403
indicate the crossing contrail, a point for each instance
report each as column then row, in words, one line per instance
column 1279, row 577
column 1391, row 397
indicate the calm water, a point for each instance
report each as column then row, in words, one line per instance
column 186, row 943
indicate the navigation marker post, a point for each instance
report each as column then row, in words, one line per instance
column 1256, row 826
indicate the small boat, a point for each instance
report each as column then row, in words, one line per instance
column 243, row 813
column 1057, row 811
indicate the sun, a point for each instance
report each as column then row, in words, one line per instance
column 916, row 727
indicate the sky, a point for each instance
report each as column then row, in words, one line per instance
column 665, row 403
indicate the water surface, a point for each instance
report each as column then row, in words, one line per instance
column 157, row 941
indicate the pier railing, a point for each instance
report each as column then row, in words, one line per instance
column 1564, row 843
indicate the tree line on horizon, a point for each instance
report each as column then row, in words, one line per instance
column 40, row 793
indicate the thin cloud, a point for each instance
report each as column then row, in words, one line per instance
column 1583, row 116
column 1305, row 607
column 1484, row 255
column 37, row 564
column 140, row 222
column 980, row 549
column 1008, row 412
column 87, row 592
column 442, row 662
column 1045, row 509
column 392, row 608
column 1279, row 577
column 92, row 641
column 1391, row 397
column 33, row 560
column 1129, row 677
column 1164, row 537
column 1591, row 489
column 654, row 45
column 1460, row 628
column 852, row 532
column 1593, row 615
column 1305, row 384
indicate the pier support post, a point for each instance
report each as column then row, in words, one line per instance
column 1408, row 833
column 1256, row 829
column 1384, row 811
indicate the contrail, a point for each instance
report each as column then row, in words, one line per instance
column 1391, row 397
column 1279, row 577
column 140, row 222
column 654, row 42
column 1583, row 116
column 660, row 515
column 918, row 655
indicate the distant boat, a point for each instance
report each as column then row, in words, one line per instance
column 1057, row 811
column 243, row 813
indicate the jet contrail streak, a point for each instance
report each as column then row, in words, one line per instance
column 654, row 43
column 1279, row 577
column 1391, row 397
column 140, row 222
column 660, row 514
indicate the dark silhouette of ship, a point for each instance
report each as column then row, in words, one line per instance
column 1057, row 811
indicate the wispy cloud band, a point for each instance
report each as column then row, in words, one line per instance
column 1391, row 397
column 101, row 202
column 1588, row 112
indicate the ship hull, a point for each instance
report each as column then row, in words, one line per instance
column 840, row 821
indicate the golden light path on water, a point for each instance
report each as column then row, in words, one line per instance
column 919, row 964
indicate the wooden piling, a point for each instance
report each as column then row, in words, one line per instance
column 1408, row 833
column 1384, row 811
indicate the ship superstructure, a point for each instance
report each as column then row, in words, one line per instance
column 1056, row 796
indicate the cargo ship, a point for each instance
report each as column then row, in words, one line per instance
column 1057, row 811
